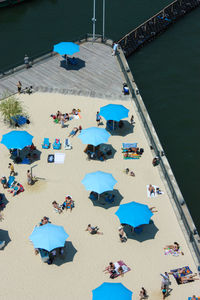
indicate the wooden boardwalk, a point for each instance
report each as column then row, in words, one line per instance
column 97, row 74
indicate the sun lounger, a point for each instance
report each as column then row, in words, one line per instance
column 197, row 298
column 19, row 120
column 2, row 244
column 11, row 180
column 46, row 143
column 68, row 145
column 129, row 145
column 57, row 144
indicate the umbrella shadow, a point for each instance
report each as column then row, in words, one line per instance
column 149, row 232
column 3, row 202
column 108, row 150
column 79, row 64
column 103, row 203
column 67, row 256
column 27, row 156
column 4, row 236
column 126, row 129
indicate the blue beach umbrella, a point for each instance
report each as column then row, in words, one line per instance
column 99, row 182
column 134, row 214
column 67, row 48
column 111, row 291
column 114, row 112
column 17, row 139
column 48, row 237
column 94, row 136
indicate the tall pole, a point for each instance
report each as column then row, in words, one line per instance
column 103, row 19
column 93, row 19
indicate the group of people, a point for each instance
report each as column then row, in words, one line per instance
column 26, row 90
column 154, row 191
column 64, row 117
column 67, row 204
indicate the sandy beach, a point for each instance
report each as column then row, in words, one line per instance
column 25, row 276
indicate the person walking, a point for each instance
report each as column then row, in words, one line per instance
column 4, row 182
column 98, row 118
column 115, row 46
column 29, row 178
column 26, row 61
column 19, row 87
column 12, row 170
column 164, row 291
column 143, row 293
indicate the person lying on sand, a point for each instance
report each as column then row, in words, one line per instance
column 44, row 221
column 73, row 132
column 110, row 268
column 57, row 207
column 93, row 230
column 153, row 209
column 188, row 278
column 174, row 247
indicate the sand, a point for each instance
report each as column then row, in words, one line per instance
column 24, row 275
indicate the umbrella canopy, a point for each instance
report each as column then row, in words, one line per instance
column 134, row 214
column 111, row 291
column 48, row 237
column 94, row 136
column 99, row 182
column 68, row 48
column 17, row 139
column 114, row 112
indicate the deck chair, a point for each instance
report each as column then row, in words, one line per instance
column 57, row 144
column 68, row 145
column 46, row 143
column 11, row 180
column 2, row 244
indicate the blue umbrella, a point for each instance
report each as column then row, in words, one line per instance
column 68, row 48
column 17, row 139
column 134, row 214
column 111, row 291
column 48, row 237
column 94, row 136
column 114, row 112
column 99, row 182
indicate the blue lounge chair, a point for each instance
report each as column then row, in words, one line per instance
column 46, row 143
column 11, row 179
column 44, row 255
column 19, row 120
column 57, row 144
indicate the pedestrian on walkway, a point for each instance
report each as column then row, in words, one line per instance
column 12, row 171
column 19, row 87
column 26, row 61
column 115, row 46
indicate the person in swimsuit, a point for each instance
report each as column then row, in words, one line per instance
column 93, row 230
column 110, row 268
column 151, row 190
column 122, row 235
column 73, row 132
column 143, row 293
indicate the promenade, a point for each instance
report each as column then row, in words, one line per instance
column 97, row 83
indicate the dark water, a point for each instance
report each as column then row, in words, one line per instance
column 166, row 71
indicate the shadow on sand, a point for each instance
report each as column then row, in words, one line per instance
column 4, row 236
column 102, row 203
column 125, row 130
column 148, row 233
column 3, row 202
column 67, row 256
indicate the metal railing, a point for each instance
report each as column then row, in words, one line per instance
column 179, row 201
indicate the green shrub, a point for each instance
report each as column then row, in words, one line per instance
column 11, row 107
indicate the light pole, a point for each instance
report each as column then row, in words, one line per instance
column 93, row 19
column 104, row 4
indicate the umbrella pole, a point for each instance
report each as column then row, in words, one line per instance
column 98, row 197
column 18, row 152
column 113, row 124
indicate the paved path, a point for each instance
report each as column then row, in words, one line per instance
column 95, row 75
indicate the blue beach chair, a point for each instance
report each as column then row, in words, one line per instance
column 57, row 144
column 46, row 143
column 11, row 180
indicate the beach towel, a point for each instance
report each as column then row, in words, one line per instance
column 118, row 264
column 131, row 156
column 197, row 298
column 129, row 145
column 50, row 158
column 153, row 195
column 59, row 158
column 177, row 275
column 172, row 252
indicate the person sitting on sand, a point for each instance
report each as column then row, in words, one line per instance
column 93, row 230
column 110, row 268
column 128, row 172
column 155, row 161
column 66, row 117
column 158, row 191
column 143, row 294
column 122, row 235
column 74, row 112
column 44, row 221
column 68, row 203
column 4, row 182
column 194, row 297
column 58, row 115
column 73, row 132
column 57, row 207
column 175, row 247
column 151, row 190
